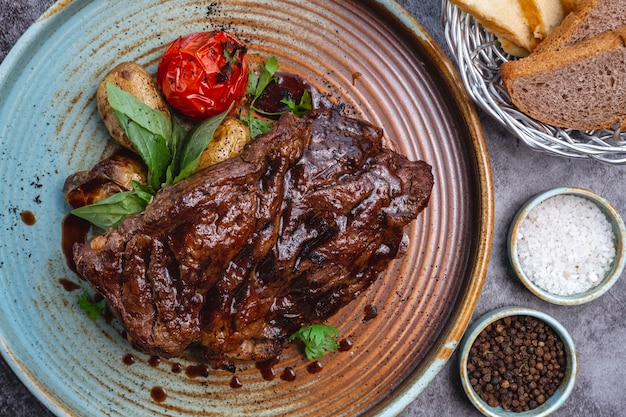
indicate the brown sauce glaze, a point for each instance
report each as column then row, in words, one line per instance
column 28, row 218
column 107, row 315
column 314, row 367
column 74, row 230
column 345, row 345
column 235, row 382
column 128, row 359
column 267, row 368
column 195, row 371
column 68, row 285
column 370, row 312
column 289, row 374
column 158, row 394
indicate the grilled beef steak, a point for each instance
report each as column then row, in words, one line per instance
column 237, row 257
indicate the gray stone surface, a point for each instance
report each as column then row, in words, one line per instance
column 598, row 328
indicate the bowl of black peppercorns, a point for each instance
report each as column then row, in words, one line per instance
column 517, row 361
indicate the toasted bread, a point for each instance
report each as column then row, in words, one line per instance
column 542, row 16
column 570, row 5
column 511, row 48
column 581, row 86
column 503, row 18
column 593, row 17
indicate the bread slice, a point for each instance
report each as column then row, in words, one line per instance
column 542, row 16
column 582, row 86
column 593, row 17
column 503, row 18
column 511, row 48
column 570, row 5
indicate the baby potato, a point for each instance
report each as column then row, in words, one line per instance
column 229, row 139
column 112, row 175
column 132, row 78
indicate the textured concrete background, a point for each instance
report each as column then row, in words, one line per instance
column 598, row 328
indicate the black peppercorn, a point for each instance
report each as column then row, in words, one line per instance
column 517, row 363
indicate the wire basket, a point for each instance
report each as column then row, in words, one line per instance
column 478, row 55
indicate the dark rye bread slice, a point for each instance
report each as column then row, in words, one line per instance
column 592, row 18
column 582, row 86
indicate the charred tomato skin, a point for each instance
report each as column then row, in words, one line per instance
column 201, row 74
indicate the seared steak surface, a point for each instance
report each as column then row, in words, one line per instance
column 240, row 255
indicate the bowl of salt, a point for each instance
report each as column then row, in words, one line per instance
column 566, row 245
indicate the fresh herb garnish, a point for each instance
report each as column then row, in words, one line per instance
column 93, row 308
column 177, row 142
column 110, row 211
column 305, row 104
column 257, row 83
column 197, row 142
column 317, row 339
column 148, row 130
column 170, row 153
column 257, row 126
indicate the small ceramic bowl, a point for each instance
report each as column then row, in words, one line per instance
column 616, row 268
column 555, row 400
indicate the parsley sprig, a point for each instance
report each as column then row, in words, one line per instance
column 318, row 339
column 92, row 307
column 257, row 83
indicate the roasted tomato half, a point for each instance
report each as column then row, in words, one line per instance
column 203, row 73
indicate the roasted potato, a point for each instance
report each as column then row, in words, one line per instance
column 229, row 139
column 109, row 176
column 132, row 78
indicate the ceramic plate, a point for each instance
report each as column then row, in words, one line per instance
column 370, row 56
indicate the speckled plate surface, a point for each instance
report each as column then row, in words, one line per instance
column 371, row 56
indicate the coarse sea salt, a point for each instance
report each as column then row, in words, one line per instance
column 565, row 245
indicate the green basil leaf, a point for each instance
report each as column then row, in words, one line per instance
column 149, row 131
column 111, row 211
column 176, row 145
column 152, row 148
column 154, row 121
column 186, row 172
column 144, row 192
column 200, row 138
